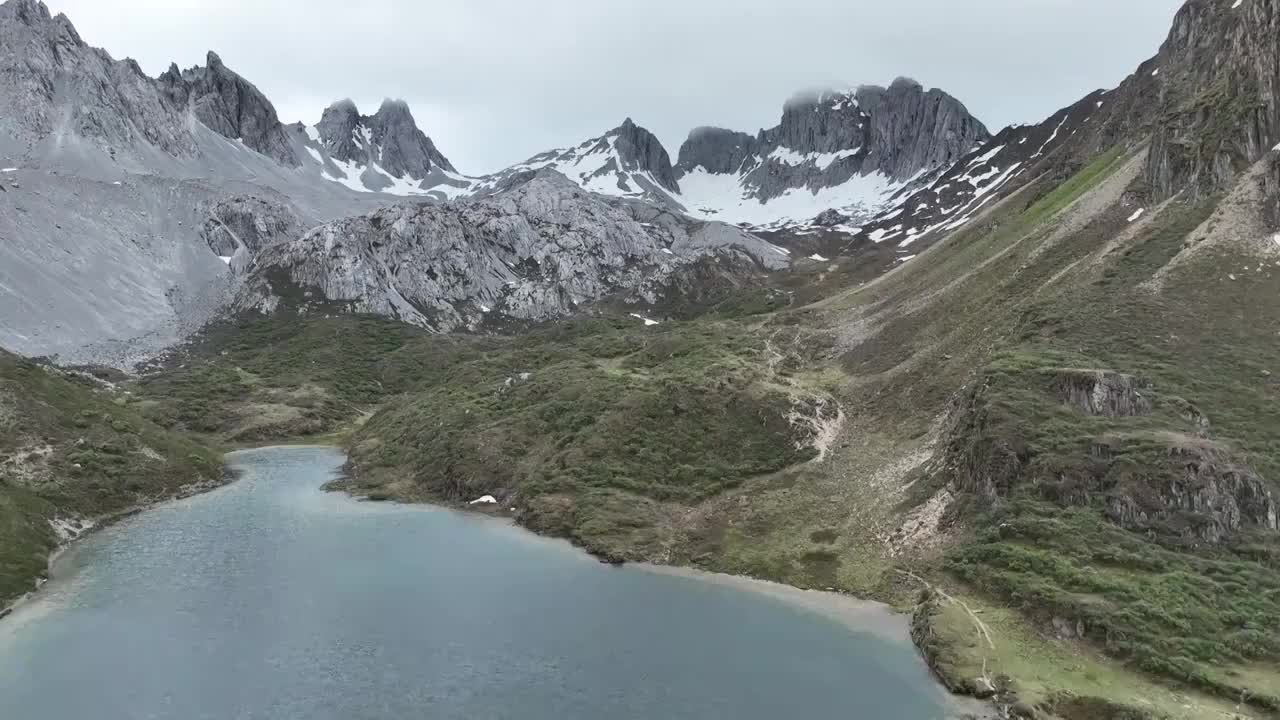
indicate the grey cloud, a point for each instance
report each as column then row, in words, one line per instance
column 495, row 81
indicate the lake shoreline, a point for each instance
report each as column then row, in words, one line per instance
column 856, row 614
column 860, row 615
column 96, row 523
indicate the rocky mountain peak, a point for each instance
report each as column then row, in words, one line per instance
column 35, row 15
column 640, row 150
column 403, row 147
column 715, row 149
column 27, row 12
column 390, row 138
column 829, row 139
column 338, row 130
column 230, row 106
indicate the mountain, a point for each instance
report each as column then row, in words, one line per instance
column 835, row 150
column 385, row 152
column 627, row 161
column 1208, row 108
column 230, row 106
column 852, row 152
column 131, row 205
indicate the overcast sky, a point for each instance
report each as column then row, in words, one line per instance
column 495, row 81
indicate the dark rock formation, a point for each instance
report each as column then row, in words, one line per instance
column 828, row 218
column 716, row 150
column 230, row 106
column 641, row 151
column 1219, row 104
column 1099, row 392
column 825, row 139
column 403, row 149
column 339, row 128
column 389, row 137
column 1170, row 483
column 910, row 130
column 1201, row 494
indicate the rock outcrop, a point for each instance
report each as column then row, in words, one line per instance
column 238, row 228
column 339, row 132
column 627, row 161
column 230, row 106
column 1172, row 483
column 403, row 149
column 1199, row 491
column 540, row 249
column 1100, row 392
column 390, row 138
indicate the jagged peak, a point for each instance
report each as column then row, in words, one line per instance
column 705, row 130
column 211, row 60
column 395, row 105
column 807, row 96
column 903, row 82
column 27, row 11
column 345, row 107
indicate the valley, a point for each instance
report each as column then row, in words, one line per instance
column 1024, row 393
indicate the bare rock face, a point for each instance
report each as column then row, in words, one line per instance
column 641, row 151
column 912, row 130
column 403, row 148
column 51, row 81
column 1101, row 392
column 1219, row 104
column 1170, row 483
column 538, row 250
column 718, row 150
column 1205, row 495
column 230, row 106
column 339, row 130
column 238, row 228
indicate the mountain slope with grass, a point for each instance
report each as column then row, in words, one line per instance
column 72, row 453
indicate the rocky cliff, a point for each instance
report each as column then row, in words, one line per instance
column 1219, row 94
column 230, row 106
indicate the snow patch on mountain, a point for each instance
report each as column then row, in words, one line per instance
column 725, row 197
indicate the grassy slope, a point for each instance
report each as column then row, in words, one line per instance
column 594, row 430
column 69, row 449
column 1203, row 616
column 281, row 377
column 598, row 430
